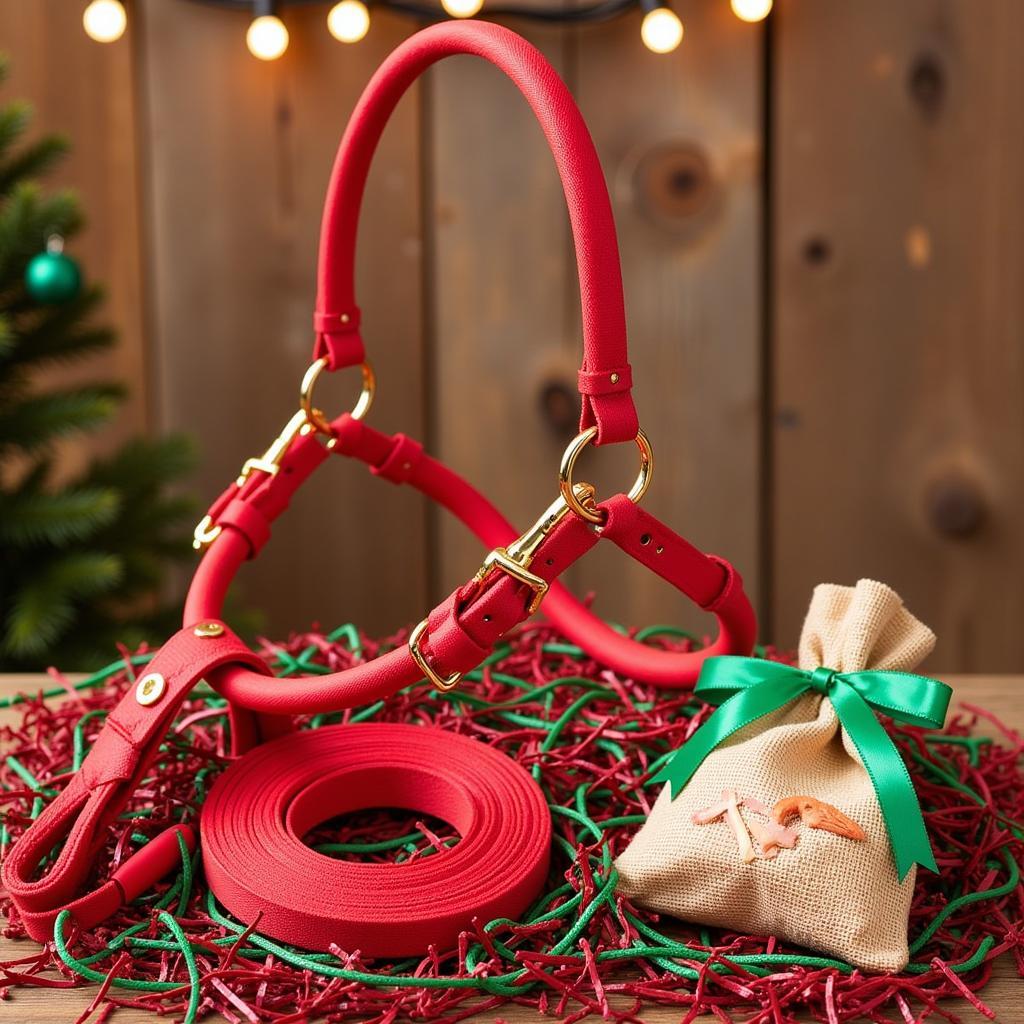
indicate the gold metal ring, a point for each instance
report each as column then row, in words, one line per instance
column 572, row 453
column 314, row 415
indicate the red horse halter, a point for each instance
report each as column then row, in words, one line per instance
column 257, row 863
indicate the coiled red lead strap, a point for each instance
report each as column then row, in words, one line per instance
column 260, row 809
column 257, row 812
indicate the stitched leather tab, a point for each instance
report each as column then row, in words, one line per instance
column 450, row 647
column 245, row 517
column 338, row 340
column 613, row 414
column 338, row 322
column 606, row 382
column 401, row 462
column 730, row 583
column 113, row 756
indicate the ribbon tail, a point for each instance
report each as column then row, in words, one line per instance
column 890, row 778
column 742, row 708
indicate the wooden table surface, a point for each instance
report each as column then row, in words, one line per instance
column 1005, row 993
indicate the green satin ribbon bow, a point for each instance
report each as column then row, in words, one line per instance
column 749, row 688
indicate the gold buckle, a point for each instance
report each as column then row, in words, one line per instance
column 515, row 560
column 442, row 683
column 499, row 558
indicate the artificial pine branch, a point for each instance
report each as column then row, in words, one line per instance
column 38, row 420
column 27, row 218
column 44, row 605
column 32, row 162
column 83, row 561
column 56, row 518
column 59, row 333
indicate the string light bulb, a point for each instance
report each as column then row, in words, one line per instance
column 105, row 20
column 661, row 29
column 348, row 21
column 751, row 10
column 267, row 37
column 462, row 8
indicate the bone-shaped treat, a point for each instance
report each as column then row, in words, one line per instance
column 730, row 808
column 769, row 835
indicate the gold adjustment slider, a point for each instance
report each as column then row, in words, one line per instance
column 515, row 560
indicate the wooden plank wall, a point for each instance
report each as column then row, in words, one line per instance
column 680, row 151
column 857, row 417
column 898, row 363
column 239, row 152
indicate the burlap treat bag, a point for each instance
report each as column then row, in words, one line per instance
column 793, row 813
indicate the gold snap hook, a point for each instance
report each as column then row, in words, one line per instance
column 572, row 453
column 303, row 422
column 205, row 533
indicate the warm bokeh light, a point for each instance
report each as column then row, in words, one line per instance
column 751, row 10
column 661, row 31
column 348, row 21
column 105, row 20
column 462, row 8
column 267, row 37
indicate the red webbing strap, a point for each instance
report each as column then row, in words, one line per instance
column 256, row 815
column 98, row 792
column 462, row 630
column 605, row 383
column 709, row 581
column 250, row 507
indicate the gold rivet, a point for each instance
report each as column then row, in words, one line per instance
column 206, row 629
column 344, row 318
column 615, row 378
column 150, row 689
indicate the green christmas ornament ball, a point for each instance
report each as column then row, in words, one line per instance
column 52, row 277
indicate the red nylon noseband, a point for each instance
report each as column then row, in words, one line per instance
column 257, row 812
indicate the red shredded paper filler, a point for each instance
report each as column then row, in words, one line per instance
column 592, row 740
